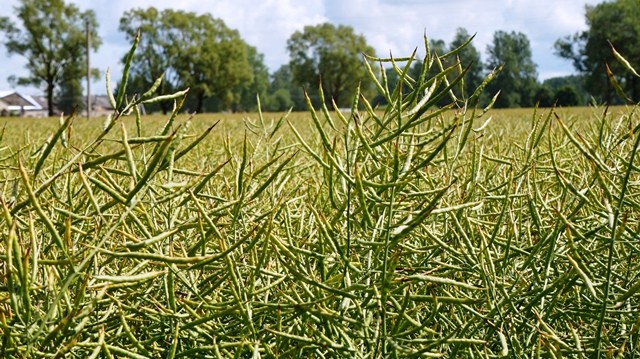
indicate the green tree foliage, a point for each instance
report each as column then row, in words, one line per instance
column 257, row 86
column 469, row 56
column 555, row 83
column 154, row 54
column 194, row 51
column 518, row 80
column 393, row 78
column 69, row 95
column 284, row 94
column 332, row 55
column 567, row 96
column 544, row 96
column 614, row 21
column 436, row 47
column 52, row 38
column 576, row 82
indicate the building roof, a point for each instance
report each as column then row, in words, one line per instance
column 17, row 102
column 42, row 101
column 101, row 101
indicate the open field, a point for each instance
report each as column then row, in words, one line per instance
column 363, row 236
column 21, row 131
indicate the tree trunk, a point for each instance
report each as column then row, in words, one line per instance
column 200, row 102
column 50, row 88
column 164, row 106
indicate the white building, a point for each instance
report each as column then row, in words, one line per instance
column 13, row 103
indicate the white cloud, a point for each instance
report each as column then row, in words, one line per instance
column 268, row 24
column 395, row 26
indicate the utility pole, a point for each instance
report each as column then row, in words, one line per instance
column 88, row 69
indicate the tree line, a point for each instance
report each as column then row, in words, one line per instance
column 224, row 73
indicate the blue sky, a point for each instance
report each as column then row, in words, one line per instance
column 388, row 25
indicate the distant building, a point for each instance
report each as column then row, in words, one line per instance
column 42, row 101
column 4, row 109
column 100, row 106
column 13, row 103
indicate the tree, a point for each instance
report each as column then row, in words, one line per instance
column 567, row 96
column 331, row 56
column 257, row 86
column 575, row 82
column 52, row 39
column 194, row 51
column 69, row 94
column 544, row 96
column 284, row 94
column 614, row 21
column 469, row 57
column 211, row 59
column 518, row 79
column 437, row 47
column 154, row 53
column 393, row 78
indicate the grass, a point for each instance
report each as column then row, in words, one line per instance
column 406, row 232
